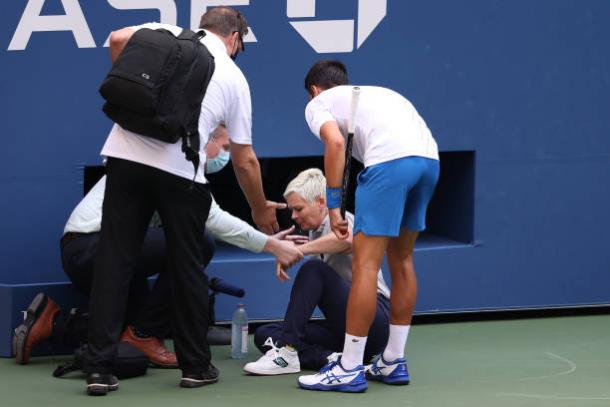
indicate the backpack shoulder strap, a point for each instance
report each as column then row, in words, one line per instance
column 187, row 34
column 66, row 368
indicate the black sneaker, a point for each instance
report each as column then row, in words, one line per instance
column 99, row 384
column 209, row 376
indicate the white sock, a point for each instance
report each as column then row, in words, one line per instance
column 396, row 342
column 353, row 351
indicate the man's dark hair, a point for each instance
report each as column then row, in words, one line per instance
column 224, row 21
column 326, row 74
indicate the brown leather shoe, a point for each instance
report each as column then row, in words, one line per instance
column 153, row 348
column 37, row 327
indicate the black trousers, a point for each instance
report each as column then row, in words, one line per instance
column 317, row 284
column 133, row 192
column 147, row 309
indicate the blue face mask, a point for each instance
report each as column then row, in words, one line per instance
column 217, row 163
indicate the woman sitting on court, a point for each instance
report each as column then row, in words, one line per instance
column 324, row 282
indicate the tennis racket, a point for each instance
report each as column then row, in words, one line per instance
column 348, row 148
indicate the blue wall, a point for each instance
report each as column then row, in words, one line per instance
column 524, row 84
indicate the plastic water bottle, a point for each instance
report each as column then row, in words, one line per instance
column 239, row 333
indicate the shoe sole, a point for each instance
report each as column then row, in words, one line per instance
column 343, row 388
column 394, row 381
column 270, row 372
column 22, row 332
column 398, row 381
column 193, row 383
column 98, row 389
column 162, row 366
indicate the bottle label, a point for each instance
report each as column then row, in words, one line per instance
column 244, row 339
column 235, row 335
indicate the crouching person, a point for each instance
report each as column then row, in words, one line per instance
column 323, row 281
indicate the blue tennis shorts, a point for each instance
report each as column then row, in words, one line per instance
column 395, row 194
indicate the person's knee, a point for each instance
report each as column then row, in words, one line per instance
column 400, row 265
column 369, row 263
column 311, row 269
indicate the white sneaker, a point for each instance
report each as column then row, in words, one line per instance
column 275, row 361
column 333, row 377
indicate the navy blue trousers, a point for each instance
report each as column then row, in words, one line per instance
column 318, row 285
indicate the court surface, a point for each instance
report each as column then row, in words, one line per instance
column 528, row 362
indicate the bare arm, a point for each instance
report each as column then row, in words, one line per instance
column 248, row 173
column 334, row 165
column 334, row 153
column 117, row 41
column 328, row 244
column 285, row 253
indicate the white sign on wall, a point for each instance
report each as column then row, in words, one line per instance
column 322, row 35
column 335, row 35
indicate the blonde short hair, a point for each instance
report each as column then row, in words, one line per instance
column 309, row 184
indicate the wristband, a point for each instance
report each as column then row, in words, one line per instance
column 333, row 197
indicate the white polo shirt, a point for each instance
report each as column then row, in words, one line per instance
column 227, row 100
column 387, row 125
column 87, row 218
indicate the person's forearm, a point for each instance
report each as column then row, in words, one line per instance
column 271, row 246
column 248, row 176
column 118, row 40
column 334, row 154
column 327, row 244
column 241, row 235
column 334, row 162
column 233, row 230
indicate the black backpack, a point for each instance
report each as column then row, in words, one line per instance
column 130, row 362
column 156, row 86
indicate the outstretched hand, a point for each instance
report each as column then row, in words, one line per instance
column 281, row 235
column 277, row 205
column 286, row 235
column 285, row 251
column 265, row 218
column 297, row 239
column 287, row 254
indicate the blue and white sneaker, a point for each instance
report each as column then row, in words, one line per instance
column 394, row 372
column 333, row 377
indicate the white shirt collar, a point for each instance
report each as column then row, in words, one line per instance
column 320, row 231
column 213, row 41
